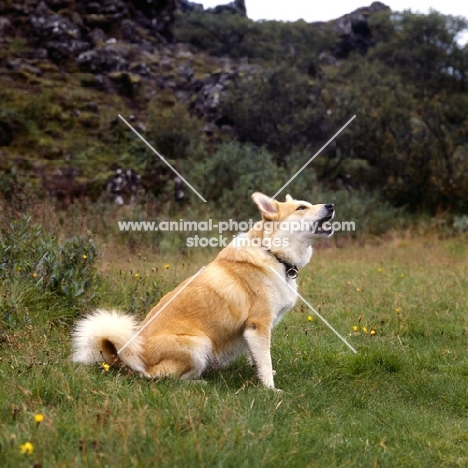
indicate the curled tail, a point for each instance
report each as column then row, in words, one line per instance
column 101, row 335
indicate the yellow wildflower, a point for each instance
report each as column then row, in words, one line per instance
column 358, row 289
column 379, row 270
column 398, row 310
column 85, row 256
column 105, row 366
column 38, row 418
column 18, row 268
column 355, row 328
column 309, row 318
column 166, row 266
column 373, row 332
column 364, row 329
column 27, row 448
column 34, row 275
column 136, row 275
column 402, row 275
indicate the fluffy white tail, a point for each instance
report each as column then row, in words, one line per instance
column 99, row 336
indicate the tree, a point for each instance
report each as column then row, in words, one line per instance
column 278, row 108
column 424, row 49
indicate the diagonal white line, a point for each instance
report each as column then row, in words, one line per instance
column 160, row 310
column 161, row 157
column 313, row 157
column 316, row 313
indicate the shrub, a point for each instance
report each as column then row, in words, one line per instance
column 44, row 266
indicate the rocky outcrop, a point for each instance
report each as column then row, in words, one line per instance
column 58, row 35
column 124, row 46
column 235, row 7
column 354, row 32
column 63, row 29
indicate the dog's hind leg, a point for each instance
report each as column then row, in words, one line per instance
column 182, row 356
column 258, row 336
column 169, row 368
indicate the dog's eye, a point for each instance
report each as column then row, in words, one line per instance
column 302, row 207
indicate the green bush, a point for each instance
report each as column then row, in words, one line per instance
column 281, row 112
column 266, row 41
column 234, row 172
column 41, row 265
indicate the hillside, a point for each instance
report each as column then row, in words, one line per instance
column 194, row 81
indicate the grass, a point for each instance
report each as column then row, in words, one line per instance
column 402, row 400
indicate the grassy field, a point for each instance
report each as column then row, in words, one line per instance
column 402, row 400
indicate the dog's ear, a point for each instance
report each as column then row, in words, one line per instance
column 266, row 205
column 289, row 198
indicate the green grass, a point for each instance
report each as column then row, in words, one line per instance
column 402, row 400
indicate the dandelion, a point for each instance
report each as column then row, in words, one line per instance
column 166, row 266
column 105, row 366
column 38, row 418
column 34, row 275
column 309, row 318
column 358, row 289
column 364, row 329
column 398, row 310
column 27, row 448
column 372, row 332
column 136, row 275
column 85, row 256
column 355, row 328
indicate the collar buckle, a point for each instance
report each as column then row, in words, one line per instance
column 292, row 272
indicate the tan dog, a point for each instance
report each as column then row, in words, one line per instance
column 226, row 309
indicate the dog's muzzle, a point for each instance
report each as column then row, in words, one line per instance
column 323, row 226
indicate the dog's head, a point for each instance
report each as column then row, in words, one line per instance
column 295, row 216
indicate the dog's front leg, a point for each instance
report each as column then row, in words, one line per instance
column 257, row 336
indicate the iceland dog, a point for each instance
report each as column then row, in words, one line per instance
column 228, row 308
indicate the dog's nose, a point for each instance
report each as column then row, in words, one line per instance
column 329, row 206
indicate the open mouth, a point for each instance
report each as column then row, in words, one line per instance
column 323, row 227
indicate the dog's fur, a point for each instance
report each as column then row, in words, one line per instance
column 228, row 308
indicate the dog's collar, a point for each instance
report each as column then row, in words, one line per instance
column 292, row 271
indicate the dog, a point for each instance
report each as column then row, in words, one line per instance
column 228, row 308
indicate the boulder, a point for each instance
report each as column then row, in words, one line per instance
column 354, row 31
column 56, row 34
column 6, row 29
column 235, row 7
column 108, row 58
column 184, row 6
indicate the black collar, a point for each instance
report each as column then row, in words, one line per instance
column 291, row 270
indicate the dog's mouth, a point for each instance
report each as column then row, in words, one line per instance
column 323, row 227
